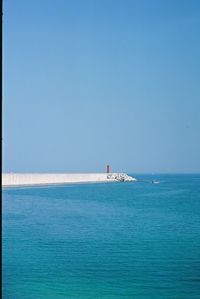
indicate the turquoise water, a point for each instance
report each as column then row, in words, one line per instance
column 105, row 241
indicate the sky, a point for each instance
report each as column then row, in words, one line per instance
column 91, row 83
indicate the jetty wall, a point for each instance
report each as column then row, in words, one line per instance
column 18, row 179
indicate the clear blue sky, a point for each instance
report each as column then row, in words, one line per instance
column 86, row 83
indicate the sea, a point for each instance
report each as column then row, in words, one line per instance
column 137, row 240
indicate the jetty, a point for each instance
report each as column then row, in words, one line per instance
column 32, row 179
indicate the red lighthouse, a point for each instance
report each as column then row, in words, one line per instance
column 108, row 168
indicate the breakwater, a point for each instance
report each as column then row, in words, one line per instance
column 23, row 179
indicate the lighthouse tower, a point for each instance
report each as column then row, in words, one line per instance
column 108, row 168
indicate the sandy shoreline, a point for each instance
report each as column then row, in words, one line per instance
column 37, row 179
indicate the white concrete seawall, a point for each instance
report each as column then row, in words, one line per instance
column 23, row 179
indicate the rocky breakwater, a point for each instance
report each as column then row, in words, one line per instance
column 120, row 177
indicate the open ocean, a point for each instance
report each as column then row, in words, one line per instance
column 103, row 241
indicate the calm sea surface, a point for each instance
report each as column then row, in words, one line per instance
column 104, row 241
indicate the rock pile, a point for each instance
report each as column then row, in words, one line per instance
column 121, row 177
